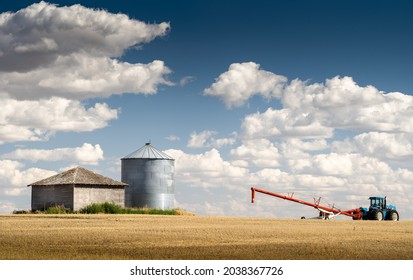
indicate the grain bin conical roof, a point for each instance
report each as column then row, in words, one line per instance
column 148, row 152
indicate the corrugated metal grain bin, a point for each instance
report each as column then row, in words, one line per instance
column 150, row 176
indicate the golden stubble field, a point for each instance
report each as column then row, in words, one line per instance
column 126, row 237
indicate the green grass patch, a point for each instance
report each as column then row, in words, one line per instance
column 59, row 209
column 99, row 208
column 105, row 208
column 110, row 208
column 150, row 211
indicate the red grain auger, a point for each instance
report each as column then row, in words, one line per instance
column 378, row 209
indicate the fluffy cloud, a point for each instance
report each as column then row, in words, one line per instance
column 79, row 44
column 29, row 120
column 315, row 111
column 293, row 145
column 284, row 123
column 390, row 146
column 341, row 103
column 43, row 31
column 205, row 139
column 342, row 165
column 244, row 80
column 172, row 138
column 14, row 178
column 261, row 153
column 221, row 142
column 186, row 80
column 82, row 77
column 206, row 170
column 86, row 154
column 311, row 110
column 198, row 140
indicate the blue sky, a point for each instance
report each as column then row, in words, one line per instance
column 306, row 96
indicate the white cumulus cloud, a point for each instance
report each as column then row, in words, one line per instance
column 86, row 154
column 383, row 145
column 34, row 120
column 14, row 178
column 205, row 170
column 260, row 152
column 199, row 140
column 284, row 123
column 51, row 57
column 244, row 80
column 317, row 110
column 341, row 103
column 80, row 44
column 206, row 138
column 311, row 110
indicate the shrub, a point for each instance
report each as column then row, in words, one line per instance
column 105, row 208
column 111, row 208
column 21, row 212
column 93, row 208
column 58, row 209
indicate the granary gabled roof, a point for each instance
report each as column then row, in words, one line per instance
column 148, row 152
column 78, row 176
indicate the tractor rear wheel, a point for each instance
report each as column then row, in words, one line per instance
column 377, row 215
column 393, row 215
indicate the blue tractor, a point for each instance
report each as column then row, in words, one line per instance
column 379, row 210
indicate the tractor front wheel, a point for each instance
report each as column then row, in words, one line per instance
column 377, row 215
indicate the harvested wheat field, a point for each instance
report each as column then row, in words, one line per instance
column 192, row 237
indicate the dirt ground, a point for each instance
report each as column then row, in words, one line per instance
column 127, row 237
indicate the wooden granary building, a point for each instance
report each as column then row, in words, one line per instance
column 75, row 189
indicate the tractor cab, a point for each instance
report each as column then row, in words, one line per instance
column 377, row 203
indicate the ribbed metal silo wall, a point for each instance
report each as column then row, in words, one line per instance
column 151, row 183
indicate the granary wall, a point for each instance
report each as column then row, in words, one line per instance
column 44, row 197
column 85, row 195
